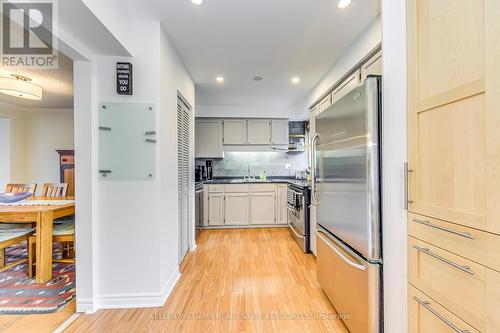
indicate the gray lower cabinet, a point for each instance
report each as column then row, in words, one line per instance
column 263, row 208
column 245, row 204
column 237, row 208
column 281, row 201
column 216, row 208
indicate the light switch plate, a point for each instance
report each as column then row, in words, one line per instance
column 288, row 166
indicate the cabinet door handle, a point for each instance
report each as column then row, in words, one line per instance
column 426, row 305
column 451, row 231
column 407, row 171
column 463, row 268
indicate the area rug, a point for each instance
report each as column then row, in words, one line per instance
column 21, row 295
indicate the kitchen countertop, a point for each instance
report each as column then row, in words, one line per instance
column 271, row 180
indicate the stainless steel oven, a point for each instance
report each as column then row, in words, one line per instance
column 298, row 215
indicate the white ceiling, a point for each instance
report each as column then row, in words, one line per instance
column 57, row 85
column 276, row 39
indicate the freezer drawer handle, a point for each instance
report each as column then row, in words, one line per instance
column 295, row 232
column 451, row 231
column 465, row 269
column 334, row 249
column 426, row 305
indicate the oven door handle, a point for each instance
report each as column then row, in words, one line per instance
column 295, row 232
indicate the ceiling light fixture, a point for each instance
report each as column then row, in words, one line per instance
column 295, row 80
column 197, row 2
column 219, row 79
column 20, row 86
column 343, row 4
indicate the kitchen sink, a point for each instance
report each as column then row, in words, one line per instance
column 241, row 180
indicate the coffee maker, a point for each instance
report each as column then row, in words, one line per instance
column 209, row 170
column 198, row 173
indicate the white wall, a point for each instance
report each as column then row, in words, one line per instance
column 226, row 111
column 36, row 134
column 46, row 131
column 366, row 42
column 4, row 152
column 136, row 227
column 394, row 150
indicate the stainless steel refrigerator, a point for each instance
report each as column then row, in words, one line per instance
column 346, row 191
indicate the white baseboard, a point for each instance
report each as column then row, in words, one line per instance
column 192, row 246
column 140, row 300
column 85, row 306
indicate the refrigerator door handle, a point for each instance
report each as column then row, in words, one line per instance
column 334, row 248
column 313, row 170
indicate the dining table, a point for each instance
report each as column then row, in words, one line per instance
column 40, row 211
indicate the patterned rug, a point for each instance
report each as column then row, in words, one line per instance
column 21, row 295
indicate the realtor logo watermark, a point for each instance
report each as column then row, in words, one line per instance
column 28, row 38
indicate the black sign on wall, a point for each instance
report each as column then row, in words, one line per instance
column 124, row 78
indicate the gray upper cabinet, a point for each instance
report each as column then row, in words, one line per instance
column 325, row 103
column 279, row 132
column 372, row 67
column 259, row 131
column 208, row 141
column 346, row 86
column 235, row 132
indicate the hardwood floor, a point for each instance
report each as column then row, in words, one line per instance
column 238, row 272
column 36, row 323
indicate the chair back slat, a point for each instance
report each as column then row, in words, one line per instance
column 17, row 188
column 53, row 190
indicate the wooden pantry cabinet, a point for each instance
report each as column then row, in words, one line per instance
column 454, row 164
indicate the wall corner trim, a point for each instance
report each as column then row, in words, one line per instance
column 140, row 300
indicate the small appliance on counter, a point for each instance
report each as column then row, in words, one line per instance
column 198, row 173
column 209, row 170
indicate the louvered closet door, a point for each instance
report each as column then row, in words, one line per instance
column 183, row 176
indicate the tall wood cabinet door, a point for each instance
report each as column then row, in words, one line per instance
column 237, row 208
column 235, row 132
column 216, row 209
column 281, row 204
column 208, row 141
column 259, row 132
column 372, row 67
column 345, row 87
column 426, row 316
column 279, row 132
column 454, row 120
column 263, row 208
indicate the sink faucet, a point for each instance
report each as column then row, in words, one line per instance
column 247, row 177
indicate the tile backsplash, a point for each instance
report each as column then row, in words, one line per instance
column 236, row 164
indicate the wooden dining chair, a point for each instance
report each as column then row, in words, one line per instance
column 64, row 234
column 53, row 190
column 16, row 188
column 11, row 237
